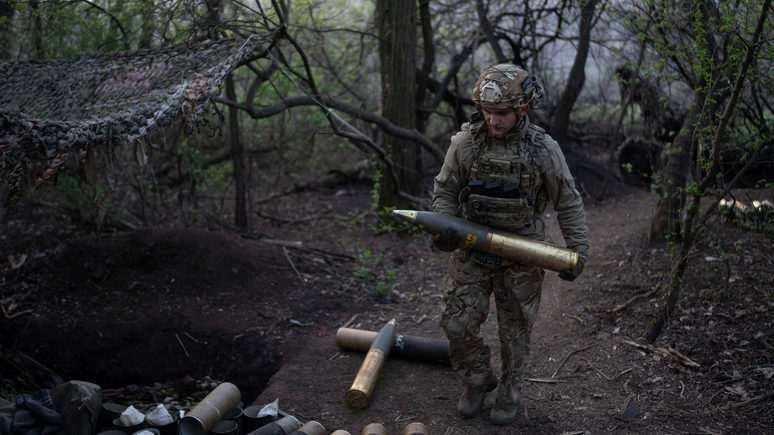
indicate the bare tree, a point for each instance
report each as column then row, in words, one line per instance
column 577, row 77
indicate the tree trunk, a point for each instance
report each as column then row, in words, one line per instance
column 146, row 26
column 6, row 29
column 577, row 77
column 397, row 32
column 428, row 59
column 37, row 30
column 667, row 216
column 237, row 156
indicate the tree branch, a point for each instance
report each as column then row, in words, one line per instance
column 329, row 103
column 113, row 19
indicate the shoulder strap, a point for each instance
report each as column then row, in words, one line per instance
column 535, row 135
column 477, row 134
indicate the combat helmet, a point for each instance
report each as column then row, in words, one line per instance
column 507, row 86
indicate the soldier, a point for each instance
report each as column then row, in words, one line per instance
column 500, row 170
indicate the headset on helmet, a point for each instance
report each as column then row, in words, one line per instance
column 507, row 86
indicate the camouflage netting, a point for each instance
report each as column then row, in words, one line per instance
column 58, row 110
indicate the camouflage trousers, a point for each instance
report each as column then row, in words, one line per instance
column 468, row 290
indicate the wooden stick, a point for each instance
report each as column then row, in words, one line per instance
column 568, row 356
column 299, row 245
column 603, row 374
column 13, row 315
column 630, row 301
column 665, row 352
column 285, row 250
column 290, row 243
column 548, row 380
column 755, row 399
column 182, row 345
column 351, row 319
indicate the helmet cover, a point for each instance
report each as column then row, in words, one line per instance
column 507, row 86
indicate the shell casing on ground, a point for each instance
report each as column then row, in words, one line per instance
column 375, row 429
column 415, row 428
column 210, row 410
column 311, row 427
column 482, row 238
column 359, row 393
column 407, row 346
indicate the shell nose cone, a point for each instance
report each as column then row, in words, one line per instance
column 407, row 215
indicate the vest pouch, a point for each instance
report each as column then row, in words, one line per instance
column 502, row 213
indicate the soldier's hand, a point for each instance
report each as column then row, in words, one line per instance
column 571, row 274
column 447, row 240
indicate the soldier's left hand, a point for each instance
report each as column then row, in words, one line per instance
column 447, row 240
column 571, row 274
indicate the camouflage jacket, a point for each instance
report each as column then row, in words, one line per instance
column 555, row 182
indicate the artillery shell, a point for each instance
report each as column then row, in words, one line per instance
column 283, row 426
column 405, row 346
column 375, row 429
column 512, row 246
column 359, row 393
column 207, row 413
column 311, row 427
column 415, row 428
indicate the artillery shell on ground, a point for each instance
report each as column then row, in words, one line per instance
column 359, row 394
column 207, row 413
column 407, row 346
column 375, row 429
column 311, row 427
column 284, row 426
column 416, row 428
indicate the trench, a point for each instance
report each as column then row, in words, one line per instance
column 39, row 354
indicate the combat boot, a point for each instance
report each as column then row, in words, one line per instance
column 507, row 405
column 476, row 387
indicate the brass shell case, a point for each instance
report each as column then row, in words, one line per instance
column 356, row 339
column 415, row 428
column 533, row 252
column 360, row 392
column 375, row 429
column 311, row 427
column 207, row 413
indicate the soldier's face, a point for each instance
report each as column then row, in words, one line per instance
column 500, row 121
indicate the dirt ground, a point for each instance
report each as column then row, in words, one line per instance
column 164, row 314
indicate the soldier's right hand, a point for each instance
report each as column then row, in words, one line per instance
column 447, row 240
column 571, row 274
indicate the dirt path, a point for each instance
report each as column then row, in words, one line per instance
column 581, row 399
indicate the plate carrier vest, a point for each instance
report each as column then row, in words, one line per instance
column 504, row 190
